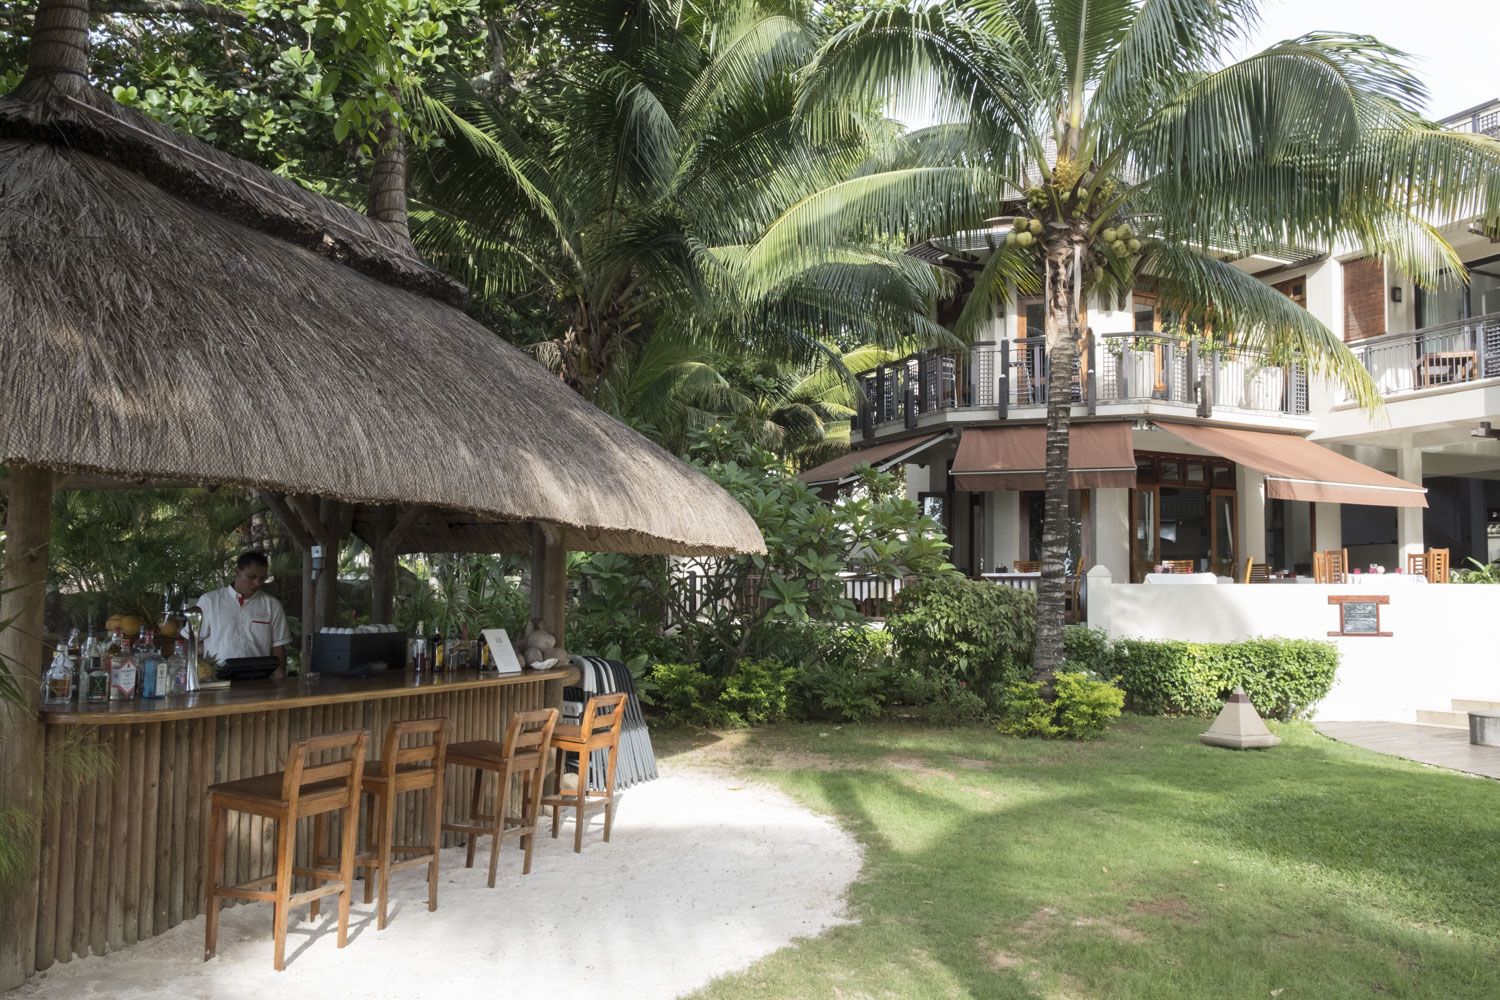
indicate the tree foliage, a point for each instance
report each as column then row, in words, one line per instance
column 1125, row 147
column 616, row 223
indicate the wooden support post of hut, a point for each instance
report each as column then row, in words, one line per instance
column 304, row 540
column 28, row 534
column 326, row 522
column 390, row 528
column 549, row 591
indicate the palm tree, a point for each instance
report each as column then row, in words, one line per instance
column 620, row 201
column 1120, row 141
column 672, row 386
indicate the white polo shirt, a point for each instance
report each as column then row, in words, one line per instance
column 233, row 627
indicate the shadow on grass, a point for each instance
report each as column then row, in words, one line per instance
column 1145, row 865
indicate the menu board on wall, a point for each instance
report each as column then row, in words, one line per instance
column 1359, row 614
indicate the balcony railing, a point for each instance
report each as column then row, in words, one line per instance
column 1112, row 368
column 1450, row 354
column 1484, row 120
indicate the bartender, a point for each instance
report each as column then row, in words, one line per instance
column 243, row 620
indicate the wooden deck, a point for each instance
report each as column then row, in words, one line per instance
column 1439, row 746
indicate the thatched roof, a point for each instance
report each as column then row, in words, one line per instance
column 171, row 314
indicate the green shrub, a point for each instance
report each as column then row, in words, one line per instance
column 1085, row 704
column 843, row 693
column 856, row 648
column 1082, row 709
column 1088, row 649
column 966, row 629
column 844, row 671
column 1024, row 712
column 1284, row 678
column 755, row 692
column 936, row 699
column 684, row 693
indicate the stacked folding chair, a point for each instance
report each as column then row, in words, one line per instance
column 636, row 761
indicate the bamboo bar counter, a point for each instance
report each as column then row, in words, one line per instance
column 123, row 857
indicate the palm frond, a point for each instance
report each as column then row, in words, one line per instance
column 1253, row 315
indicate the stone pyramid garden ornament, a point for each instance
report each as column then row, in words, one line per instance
column 1239, row 726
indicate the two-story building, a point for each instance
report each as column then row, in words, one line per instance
column 1190, row 450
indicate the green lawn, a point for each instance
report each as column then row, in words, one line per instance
column 1143, row 865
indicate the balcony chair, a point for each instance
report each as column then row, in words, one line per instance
column 1256, row 572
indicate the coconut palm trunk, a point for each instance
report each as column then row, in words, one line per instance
column 1062, row 352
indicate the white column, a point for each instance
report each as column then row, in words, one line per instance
column 1099, row 599
column 1329, row 529
column 1002, row 529
column 1111, row 514
column 1251, row 543
column 1409, row 535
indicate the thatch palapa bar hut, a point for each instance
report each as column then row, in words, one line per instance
column 172, row 315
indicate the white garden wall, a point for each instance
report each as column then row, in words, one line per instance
column 1444, row 642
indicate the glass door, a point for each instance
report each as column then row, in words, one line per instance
column 1145, row 520
column 1222, row 557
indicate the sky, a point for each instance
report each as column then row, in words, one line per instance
column 1452, row 42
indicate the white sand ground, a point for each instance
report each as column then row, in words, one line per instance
column 703, row 876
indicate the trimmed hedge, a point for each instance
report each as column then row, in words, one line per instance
column 1284, row 678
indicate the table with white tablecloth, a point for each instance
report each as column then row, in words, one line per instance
column 1181, row 578
column 1377, row 581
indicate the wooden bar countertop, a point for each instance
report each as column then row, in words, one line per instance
column 244, row 697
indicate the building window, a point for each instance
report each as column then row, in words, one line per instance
column 1294, row 289
column 1451, row 303
column 1034, row 510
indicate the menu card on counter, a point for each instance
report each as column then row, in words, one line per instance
column 501, row 651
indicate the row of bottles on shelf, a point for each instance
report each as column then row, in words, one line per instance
column 455, row 651
column 115, row 668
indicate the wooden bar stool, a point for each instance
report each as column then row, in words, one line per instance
column 400, row 769
column 303, row 789
column 523, row 755
column 599, row 730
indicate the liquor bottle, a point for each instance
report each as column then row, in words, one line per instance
column 122, row 669
column 147, row 659
column 484, row 655
column 75, row 662
column 417, row 647
column 184, row 678
column 435, row 649
column 192, row 628
column 95, row 675
column 57, row 685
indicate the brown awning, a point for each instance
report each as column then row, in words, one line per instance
column 882, row 456
column 1015, row 458
column 1297, row 469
